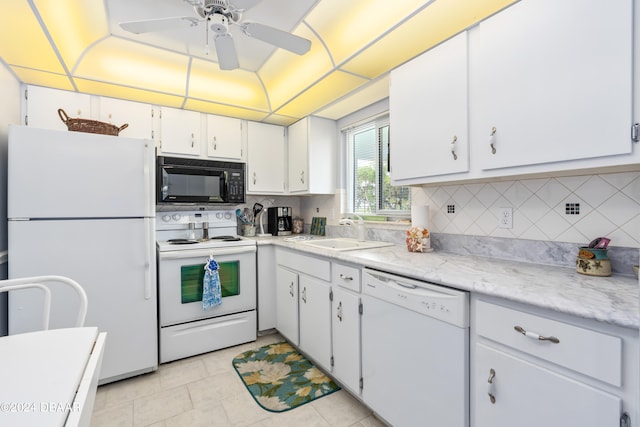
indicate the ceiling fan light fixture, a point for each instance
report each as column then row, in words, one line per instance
column 219, row 23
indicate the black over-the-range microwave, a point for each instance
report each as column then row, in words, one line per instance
column 196, row 181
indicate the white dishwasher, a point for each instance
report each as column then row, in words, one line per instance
column 415, row 351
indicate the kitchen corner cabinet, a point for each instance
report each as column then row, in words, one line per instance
column 312, row 156
column 138, row 116
column 41, row 104
column 428, row 114
column 224, row 137
column 571, row 375
column 552, row 81
column 180, row 131
column 265, row 158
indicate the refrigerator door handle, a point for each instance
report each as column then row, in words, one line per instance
column 147, row 258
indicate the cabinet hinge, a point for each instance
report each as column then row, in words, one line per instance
column 625, row 420
column 332, row 361
column 331, row 295
column 26, row 94
column 26, row 120
column 361, row 383
column 152, row 113
column 360, row 308
column 634, row 132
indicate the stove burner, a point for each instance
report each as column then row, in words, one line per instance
column 226, row 238
column 182, row 241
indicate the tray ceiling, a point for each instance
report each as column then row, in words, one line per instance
column 78, row 45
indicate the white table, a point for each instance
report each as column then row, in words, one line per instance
column 49, row 378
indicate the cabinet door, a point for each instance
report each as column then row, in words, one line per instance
column 345, row 322
column 315, row 327
column 42, row 106
column 138, row 116
column 298, row 156
column 224, row 137
column 428, row 113
column 179, row 131
column 287, row 304
column 554, row 79
column 528, row 395
column 265, row 162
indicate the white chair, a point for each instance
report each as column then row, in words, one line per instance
column 40, row 282
column 18, row 350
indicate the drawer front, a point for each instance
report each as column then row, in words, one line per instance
column 585, row 351
column 346, row 276
column 308, row 265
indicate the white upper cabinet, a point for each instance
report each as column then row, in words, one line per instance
column 265, row 158
column 138, row 116
column 180, row 131
column 224, row 137
column 428, row 114
column 312, row 156
column 551, row 81
column 41, row 106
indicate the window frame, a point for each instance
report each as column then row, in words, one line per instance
column 348, row 203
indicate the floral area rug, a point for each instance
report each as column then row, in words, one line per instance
column 279, row 378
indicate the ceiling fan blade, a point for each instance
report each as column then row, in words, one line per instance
column 244, row 4
column 277, row 37
column 226, row 50
column 151, row 25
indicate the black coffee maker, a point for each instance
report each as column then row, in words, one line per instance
column 279, row 222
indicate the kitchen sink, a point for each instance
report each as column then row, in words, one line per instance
column 344, row 244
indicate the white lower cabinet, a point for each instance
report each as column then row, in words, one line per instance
column 345, row 322
column 315, row 331
column 510, row 391
column 287, row 304
column 531, row 367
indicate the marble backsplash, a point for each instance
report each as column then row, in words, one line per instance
column 535, row 251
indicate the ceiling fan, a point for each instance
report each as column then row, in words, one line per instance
column 218, row 15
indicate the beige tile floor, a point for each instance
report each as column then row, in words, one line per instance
column 205, row 390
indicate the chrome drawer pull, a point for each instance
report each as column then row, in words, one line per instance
column 536, row 336
column 492, row 375
column 343, row 277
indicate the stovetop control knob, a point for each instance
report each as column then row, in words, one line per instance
column 176, row 217
column 219, row 215
column 227, row 215
column 166, row 218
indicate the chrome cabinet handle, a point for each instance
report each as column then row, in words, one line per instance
column 215, row 144
column 340, row 311
column 454, row 145
column 492, row 140
column 304, row 295
column 536, row 336
column 193, row 140
column 343, row 277
column 254, row 178
column 291, row 289
column 302, row 177
column 491, row 389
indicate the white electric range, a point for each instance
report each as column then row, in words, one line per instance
column 185, row 241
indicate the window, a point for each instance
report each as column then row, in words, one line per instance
column 368, row 179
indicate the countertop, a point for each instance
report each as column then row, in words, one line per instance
column 613, row 300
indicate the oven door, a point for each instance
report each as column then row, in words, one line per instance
column 180, row 275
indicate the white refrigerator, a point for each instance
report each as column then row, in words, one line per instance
column 82, row 205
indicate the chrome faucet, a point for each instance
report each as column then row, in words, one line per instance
column 361, row 230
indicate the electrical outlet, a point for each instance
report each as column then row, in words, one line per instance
column 505, row 218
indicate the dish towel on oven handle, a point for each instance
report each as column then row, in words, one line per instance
column 211, row 290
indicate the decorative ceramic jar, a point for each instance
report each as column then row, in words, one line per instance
column 418, row 240
column 593, row 262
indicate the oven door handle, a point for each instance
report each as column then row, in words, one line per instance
column 206, row 252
